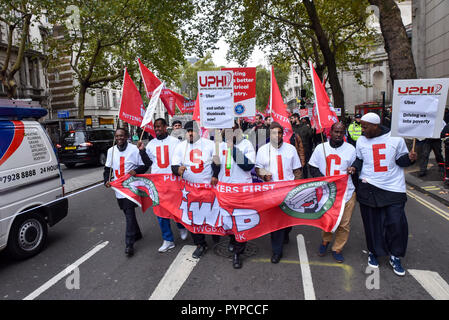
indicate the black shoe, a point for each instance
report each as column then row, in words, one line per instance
column 236, row 262
column 231, row 247
column 199, row 251
column 138, row 237
column 275, row 258
column 129, row 251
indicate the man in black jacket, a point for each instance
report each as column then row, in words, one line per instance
column 126, row 158
column 381, row 191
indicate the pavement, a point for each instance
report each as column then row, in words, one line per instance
column 82, row 181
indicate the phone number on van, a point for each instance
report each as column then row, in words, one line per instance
column 26, row 174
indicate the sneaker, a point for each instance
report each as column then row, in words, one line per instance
column 129, row 251
column 166, row 245
column 183, row 233
column 338, row 256
column 199, row 251
column 372, row 261
column 395, row 262
column 322, row 249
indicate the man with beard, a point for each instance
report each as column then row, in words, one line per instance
column 237, row 157
column 381, row 191
column 278, row 161
column 160, row 152
column 126, row 158
column 193, row 161
column 334, row 158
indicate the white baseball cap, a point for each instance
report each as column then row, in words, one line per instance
column 371, row 117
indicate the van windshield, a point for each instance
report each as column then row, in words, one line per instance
column 74, row 138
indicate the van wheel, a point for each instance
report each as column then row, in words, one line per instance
column 102, row 159
column 27, row 236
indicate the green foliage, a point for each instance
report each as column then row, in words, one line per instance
column 263, row 83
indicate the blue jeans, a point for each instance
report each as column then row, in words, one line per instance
column 164, row 224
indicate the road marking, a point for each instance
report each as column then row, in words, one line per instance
column 432, row 283
column 176, row 275
column 429, row 205
column 65, row 272
column 309, row 292
column 349, row 271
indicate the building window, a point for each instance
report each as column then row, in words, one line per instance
column 114, row 100
column 105, row 99
column 296, row 80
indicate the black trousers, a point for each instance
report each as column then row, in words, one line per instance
column 386, row 229
column 239, row 247
column 427, row 146
column 277, row 239
column 132, row 227
column 199, row 239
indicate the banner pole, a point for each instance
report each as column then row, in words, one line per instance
column 414, row 143
column 112, row 153
column 324, row 151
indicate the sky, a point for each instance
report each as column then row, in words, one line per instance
column 219, row 57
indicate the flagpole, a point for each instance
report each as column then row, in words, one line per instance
column 116, row 126
column 318, row 112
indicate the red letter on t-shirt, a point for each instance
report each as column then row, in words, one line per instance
column 121, row 171
column 378, row 156
column 280, row 168
column 166, row 157
column 195, row 157
column 337, row 161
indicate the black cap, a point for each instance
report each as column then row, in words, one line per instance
column 191, row 125
column 358, row 115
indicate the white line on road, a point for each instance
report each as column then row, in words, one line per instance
column 176, row 275
column 309, row 292
column 65, row 272
column 432, row 283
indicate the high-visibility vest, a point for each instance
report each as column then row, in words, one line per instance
column 355, row 130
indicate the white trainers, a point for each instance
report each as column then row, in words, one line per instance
column 166, row 245
column 184, row 233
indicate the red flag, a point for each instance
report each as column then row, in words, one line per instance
column 151, row 82
column 196, row 109
column 131, row 105
column 184, row 104
column 246, row 210
column 279, row 109
column 323, row 109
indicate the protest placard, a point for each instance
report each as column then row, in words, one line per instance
column 216, row 99
column 244, row 91
column 418, row 107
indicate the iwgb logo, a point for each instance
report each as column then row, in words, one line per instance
column 223, row 80
column 435, row 89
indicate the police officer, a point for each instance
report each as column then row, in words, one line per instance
column 355, row 129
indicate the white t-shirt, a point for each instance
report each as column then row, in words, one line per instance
column 338, row 161
column 280, row 162
column 236, row 174
column 161, row 153
column 379, row 157
column 123, row 162
column 197, row 157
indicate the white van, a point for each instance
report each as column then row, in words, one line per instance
column 31, row 185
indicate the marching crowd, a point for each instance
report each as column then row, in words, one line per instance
column 365, row 151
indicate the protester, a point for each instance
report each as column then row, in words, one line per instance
column 259, row 133
column 177, row 131
column 160, row 151
column 193, row 161
column 381, row 191
column 278, row 161
column 355, row 129
column 268, row 121
column 426, row 146
column 334, row 159
column 237, row 158
column 305, row 132
column 121, row 159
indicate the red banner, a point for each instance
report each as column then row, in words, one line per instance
column 279, row 109
column 323, row 111
column 248, row 210
column 131, row 105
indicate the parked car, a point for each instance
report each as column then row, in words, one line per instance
column 31, row 184
column 85, row 146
